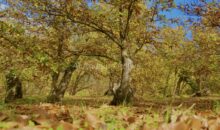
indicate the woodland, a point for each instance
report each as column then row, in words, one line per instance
column 109, row 64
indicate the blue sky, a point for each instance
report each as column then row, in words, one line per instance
column 177, row 13
column 174, row 13
column 2, row 6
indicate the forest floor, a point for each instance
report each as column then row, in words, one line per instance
column 91, row 113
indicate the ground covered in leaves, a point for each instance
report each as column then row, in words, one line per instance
column 44, row 116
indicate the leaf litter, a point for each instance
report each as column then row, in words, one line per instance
column 59, row 117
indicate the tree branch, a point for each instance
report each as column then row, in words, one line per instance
column 97, row 28
column 83, row 53
column 154, row 11
column 130, row 11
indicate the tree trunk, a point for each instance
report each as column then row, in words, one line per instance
column 198, row 82
column 13, row 88
column 74, row 89
column 167, row 84
column 59, row 88
column 124, row 94
column 18, row 90
column 178, row 86
column 110, row 92
column 194, row 87
column 10, row 84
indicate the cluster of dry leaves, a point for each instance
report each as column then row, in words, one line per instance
column 57, row 117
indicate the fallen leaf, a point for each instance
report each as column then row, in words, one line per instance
column 195, row 123
column 68, row 126
column 22, row 119
column 94, row 122
column 3, row 116
column 131, row 119
column 132, row 127
column 145, row 127
column 179, row 126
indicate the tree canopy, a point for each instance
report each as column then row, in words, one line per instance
column 71, row 45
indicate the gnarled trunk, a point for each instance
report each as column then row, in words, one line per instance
column 59, row 86
column 124, row 93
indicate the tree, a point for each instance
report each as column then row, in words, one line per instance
column 205, row 50
column 133, row 29
column 13, row 87
column 114, row 79
column 60, row 43
column 129, row 33
column 13, row 82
